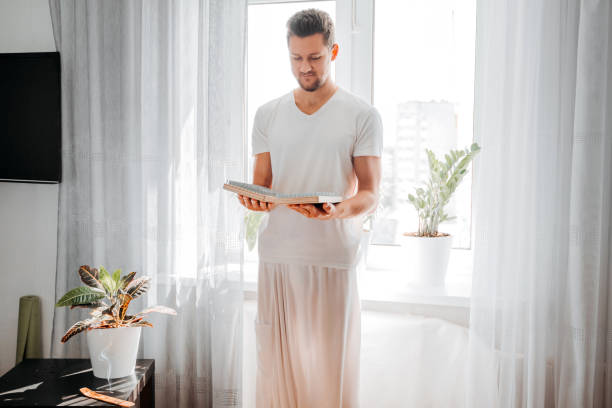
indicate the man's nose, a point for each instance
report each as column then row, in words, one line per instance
column 305, row 67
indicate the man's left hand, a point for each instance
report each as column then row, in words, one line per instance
column 311, row 211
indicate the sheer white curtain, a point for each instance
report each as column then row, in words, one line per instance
column 541, row 320
column 153, row 123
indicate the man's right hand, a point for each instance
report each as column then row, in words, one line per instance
column 255, row 205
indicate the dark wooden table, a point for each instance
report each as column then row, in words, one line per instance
column 56, row 383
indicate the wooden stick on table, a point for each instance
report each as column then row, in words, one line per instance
column 111, row 400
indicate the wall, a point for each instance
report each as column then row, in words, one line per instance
column 28, row 212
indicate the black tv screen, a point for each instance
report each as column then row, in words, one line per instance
column 30, row 117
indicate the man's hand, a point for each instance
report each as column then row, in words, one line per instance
column 255, row 205
column 311, row 211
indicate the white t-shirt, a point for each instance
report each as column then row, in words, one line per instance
column 314, row 153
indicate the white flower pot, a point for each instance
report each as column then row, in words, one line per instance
column 113, row 351
column 427, row 258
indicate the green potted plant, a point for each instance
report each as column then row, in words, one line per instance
column 428, row 249
column 252, row 220
column 112, row 333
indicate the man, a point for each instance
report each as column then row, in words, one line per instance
column 318, row 137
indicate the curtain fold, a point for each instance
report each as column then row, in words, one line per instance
column 541, row 320
column 153, row 123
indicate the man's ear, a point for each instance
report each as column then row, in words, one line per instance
column 334, row 51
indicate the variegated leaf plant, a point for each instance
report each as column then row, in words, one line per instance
column 108, row 296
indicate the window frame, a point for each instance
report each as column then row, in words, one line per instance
column 354, row 71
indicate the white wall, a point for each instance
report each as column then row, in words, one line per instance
column 28, row 212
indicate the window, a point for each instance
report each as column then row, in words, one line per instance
column 423, row 82
column 414, row 60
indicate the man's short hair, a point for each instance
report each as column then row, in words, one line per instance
column 312, row 21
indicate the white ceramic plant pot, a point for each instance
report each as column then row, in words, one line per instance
column 113, row 351
column 427, row 258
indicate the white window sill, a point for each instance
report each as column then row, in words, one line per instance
column 386, row 285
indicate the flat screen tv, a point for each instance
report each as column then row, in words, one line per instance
column 30, row 117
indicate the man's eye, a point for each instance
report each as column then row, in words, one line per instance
column 316, row 58
column 297, row 58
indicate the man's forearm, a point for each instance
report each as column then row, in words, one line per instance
column 364, row 201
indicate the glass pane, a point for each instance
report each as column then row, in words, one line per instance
column 423, row 88
column 269, row 70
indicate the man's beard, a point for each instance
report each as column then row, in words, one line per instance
column 316, row 85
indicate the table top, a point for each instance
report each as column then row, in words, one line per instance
column 56, row 382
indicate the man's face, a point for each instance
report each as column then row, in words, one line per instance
column 311, row 60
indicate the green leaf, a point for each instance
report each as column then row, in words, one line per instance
column 117, row 277
column 79, row 296
column 107, row 281
column 253, row 220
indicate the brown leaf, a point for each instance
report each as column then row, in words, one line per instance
column 89, row 278
column 110, row 311
column 125, row 300
column 126, row 280
column 77, row 328
column 138, row 287
column 132, row 319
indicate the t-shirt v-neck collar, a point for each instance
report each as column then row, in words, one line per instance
column 315, row 113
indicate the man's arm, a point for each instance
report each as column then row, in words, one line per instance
column 262, row 176
column 368, row 172
column 262, row 170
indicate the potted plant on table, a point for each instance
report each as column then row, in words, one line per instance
column 428, row 248
column 112, row 333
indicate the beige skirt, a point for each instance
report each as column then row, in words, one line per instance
column 308, row 334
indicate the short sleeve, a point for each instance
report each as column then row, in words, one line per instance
column 259, row 139
column 369, row 139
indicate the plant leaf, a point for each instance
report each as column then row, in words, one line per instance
column 98, row 312
column 77, row 328
column 158, row 309
column 92, row 305
column 79, row 296
column 126, row 280
column 89, row 277
column 138, row 287
column 125, row 300
column 117, row 277
column 110, row 310
column 141, row 323
column 253, row 220
column 107, row 281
